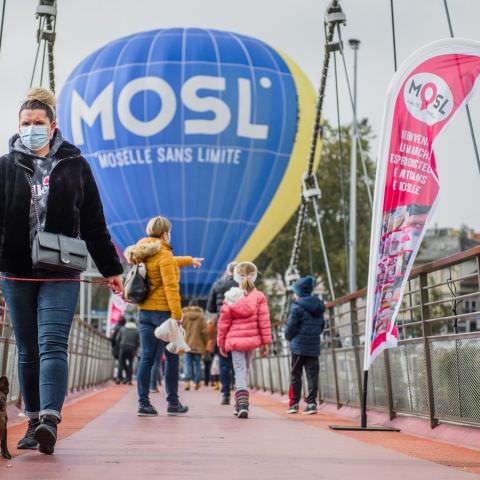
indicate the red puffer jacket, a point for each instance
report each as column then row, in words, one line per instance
column 245, row 325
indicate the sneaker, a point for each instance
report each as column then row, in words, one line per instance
column 242, row 412
column 310, row 409
column 154, row 390
column 293, row 409
column 146, row 409
column 225, row 400
column 28, row 442
column 235, row 410
column 46, row 434
column 173, row 410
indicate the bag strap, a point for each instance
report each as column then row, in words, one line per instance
column 34, row 200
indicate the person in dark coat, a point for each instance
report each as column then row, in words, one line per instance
column 128, row 341
column 214, row 305
column 304, row 327
column 42, row 166
column 116, row 347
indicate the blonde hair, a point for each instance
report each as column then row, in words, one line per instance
column 157, row 226
column 42, row 99
column 247, row 273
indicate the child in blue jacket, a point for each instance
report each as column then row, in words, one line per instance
column 305, row 324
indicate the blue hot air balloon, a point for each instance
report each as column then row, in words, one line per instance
column 207, row 128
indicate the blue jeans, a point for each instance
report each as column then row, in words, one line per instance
column 193, row 367
column 226, row 374
column 150, row 345
column 42, row 315
column 156, row 374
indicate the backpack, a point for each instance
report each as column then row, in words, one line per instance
column 136, row 286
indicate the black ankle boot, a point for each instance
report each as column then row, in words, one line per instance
column 46, row 434
column 28, row 442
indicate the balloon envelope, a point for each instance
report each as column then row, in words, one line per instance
column 200, row 126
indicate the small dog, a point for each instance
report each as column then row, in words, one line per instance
column 3, row 418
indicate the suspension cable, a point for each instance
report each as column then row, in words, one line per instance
column 46, row 13
column 392, row 13
column 40, row 22
column 340, row 161
column 467, row 108
column 317, row 130
column 2, row 22
column 366, row 178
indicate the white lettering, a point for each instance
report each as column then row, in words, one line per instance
column 195, row 103
column 165, row 115
column 101, row 106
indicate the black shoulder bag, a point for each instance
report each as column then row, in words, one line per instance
column 56, row 252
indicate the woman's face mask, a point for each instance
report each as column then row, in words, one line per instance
column 35, row 129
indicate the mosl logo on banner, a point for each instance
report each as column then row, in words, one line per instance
column 210, row 129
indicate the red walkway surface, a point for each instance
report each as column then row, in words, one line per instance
column 209, row 443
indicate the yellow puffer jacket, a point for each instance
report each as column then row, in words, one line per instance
column 163, row 274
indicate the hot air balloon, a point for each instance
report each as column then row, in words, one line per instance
column 208, row 128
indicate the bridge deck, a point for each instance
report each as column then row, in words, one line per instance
column 102, row 438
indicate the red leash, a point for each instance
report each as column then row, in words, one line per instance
column 23, row 279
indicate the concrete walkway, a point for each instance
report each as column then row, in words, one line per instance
column 210, row 443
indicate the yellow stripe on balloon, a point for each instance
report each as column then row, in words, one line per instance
column 287, row 198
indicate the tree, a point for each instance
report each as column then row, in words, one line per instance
column 333, row 178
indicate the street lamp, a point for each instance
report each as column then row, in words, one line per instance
column 352, row 244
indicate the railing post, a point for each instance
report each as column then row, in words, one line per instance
column 355, row 344
column 426, row 331
column 334, row 360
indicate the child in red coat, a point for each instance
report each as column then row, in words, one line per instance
column 244, row 325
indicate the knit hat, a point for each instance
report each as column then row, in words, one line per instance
column 304, row 286
column 234, row 294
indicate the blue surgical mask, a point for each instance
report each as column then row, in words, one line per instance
column 34, row 137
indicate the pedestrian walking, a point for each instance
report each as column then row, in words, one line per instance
column 47, row 187
column 116, row 349
column 304, row 327
column 195, row 326
column 129, row 341
column 244, row 326
column 163, row 302
column 214, row 305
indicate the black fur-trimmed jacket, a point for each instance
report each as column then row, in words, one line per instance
column 73, row 206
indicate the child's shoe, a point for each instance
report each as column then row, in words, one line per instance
column 310, row 409
column 293, row 409
column 242, row 402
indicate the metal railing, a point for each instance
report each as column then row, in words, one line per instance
column 90, row 359
column 435, row 370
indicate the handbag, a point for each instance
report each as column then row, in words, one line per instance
column 54, row 251
column 136, row 286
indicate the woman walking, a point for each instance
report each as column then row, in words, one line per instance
column 163, row 302
column 244, row 325
column 48, row 186
column 195, row 326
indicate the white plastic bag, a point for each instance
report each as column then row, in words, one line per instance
column 171, row 331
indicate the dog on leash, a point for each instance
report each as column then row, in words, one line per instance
column 3, row 418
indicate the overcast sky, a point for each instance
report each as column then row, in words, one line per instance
column 294, row 27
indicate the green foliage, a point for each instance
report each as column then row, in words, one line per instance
column 333, row 178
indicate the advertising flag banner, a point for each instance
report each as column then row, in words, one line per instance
column 429, row 88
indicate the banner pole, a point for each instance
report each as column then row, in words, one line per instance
column 364, row 399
